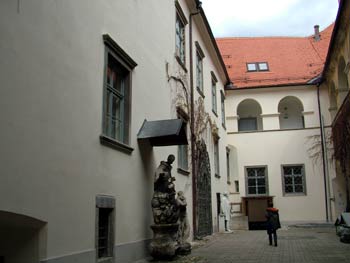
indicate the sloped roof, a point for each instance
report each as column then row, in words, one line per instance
column 291, row 60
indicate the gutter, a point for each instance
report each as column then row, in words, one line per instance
column 323, row 149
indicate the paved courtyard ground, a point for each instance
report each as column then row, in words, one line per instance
column 311, row 244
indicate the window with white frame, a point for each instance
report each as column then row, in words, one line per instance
column 180, row 43
column 117, row 92
column 293, row 178
column 256, row 178
column 257, row 66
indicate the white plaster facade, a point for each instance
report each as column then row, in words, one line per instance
column 51, row 100
column 273, row 147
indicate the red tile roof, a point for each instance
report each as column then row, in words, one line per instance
column 291, row 60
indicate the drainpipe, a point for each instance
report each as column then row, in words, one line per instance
column 193, row 137
column 323, row 151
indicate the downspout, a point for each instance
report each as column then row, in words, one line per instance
column 323, row 151
column 193, row 136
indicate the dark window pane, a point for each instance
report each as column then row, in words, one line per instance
column 288, row 189
column 251, row 190
column 251, row 182
column 261, row 182
column 299, row 188
column 261, row 190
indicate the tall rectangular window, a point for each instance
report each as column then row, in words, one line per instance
column 213, row 93
column 105, row 228
column 117, row 92
column 199, row 72
column 256, row 178
column 228, row 165
column 293, row 178
column 216, row 159
column 199, row 69
column 180, row 43
column 183, row 157
column 223, row 117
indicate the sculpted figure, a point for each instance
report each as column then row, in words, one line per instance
column 164, row 205
column 184, row 229
column 225, row 208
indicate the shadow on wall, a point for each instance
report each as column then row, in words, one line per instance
column 148, row 168
column 22, row 238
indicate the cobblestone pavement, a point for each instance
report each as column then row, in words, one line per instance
column 315, row 245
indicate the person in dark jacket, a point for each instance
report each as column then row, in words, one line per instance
column 272, row 223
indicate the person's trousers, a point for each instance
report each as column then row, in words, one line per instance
column 272, row 233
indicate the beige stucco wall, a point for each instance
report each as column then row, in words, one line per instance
column 51, row 107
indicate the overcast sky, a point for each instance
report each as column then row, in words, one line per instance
column 248, row 18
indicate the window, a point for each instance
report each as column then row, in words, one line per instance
column 199, row 70
column 180, row 34
column 105, row 227
column 256, row 180
column 237, row 186
column 228, row 165
column 257, row 66
column 216, row 159
column 223, row 109
column 247, row 124
column 293, row 178
column 183, row 157
column 213, row 93
column 117, row 92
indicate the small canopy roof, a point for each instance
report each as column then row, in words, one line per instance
column 163, row 132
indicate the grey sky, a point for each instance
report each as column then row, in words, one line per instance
column 268, row 17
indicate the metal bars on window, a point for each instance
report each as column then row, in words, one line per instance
column 293, row 179
column 256, row 181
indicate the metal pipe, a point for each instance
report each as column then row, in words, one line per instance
column 193, row 136
column 323, row 152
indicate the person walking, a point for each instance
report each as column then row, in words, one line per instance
column 272, row 223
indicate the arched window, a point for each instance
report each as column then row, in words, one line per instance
column 249, row 112
column 343, row 87
column 291, row 117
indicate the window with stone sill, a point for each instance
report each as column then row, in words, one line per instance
column 293, row 178
column 105, row 228
column 256, row 178
column 117, row 94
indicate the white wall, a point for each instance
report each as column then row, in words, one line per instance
column 274, row 147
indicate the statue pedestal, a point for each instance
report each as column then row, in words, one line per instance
column 163, row 244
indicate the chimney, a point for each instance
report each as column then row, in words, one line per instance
column 317, row 35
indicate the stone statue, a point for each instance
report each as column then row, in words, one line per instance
column 165, row 210
column 184, row 228
column 225, row 208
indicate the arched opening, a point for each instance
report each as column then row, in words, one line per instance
column 332, row 101
column 290, row 110
column 343, row 87
column 249, row 113
column 20, row 238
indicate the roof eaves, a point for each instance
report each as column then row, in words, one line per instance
column 332, row 41
column 211, row 35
